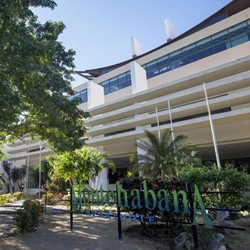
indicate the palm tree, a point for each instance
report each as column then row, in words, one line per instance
column 45, row 169
column 18, row 177
column 160, row 157
column 6, row 176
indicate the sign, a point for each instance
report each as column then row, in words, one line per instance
column 147, row 198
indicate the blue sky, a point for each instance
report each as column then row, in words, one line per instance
column 100, row 30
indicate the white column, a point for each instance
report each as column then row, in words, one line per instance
column 212, row 129
column 158, row 124
column 27, row 171
column 136, row 47
column 171, row 121
column 40, row 169
column 95, row 94
column 138, row 78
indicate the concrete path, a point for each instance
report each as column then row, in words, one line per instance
column 89, row 233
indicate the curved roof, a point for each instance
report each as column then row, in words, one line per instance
column 230, row 9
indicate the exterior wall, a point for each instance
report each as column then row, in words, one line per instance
column 202, row 65
column 27, row 152
column 119, row 118
column 226, row 23
column 125, row 115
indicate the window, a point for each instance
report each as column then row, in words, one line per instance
column 116, row 83
column 82, row 96
column 220, row 41
column 106, row 87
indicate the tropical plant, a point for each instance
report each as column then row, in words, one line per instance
column 6, row 176
column 6, row 198
column 27, row 219
column 13, row 176
column 35, row 78
column 1, row 182
column 45, row 168
column 18, row 176
column 161, row 157
column 80, row 165
column 56, row 184
column 229, row 180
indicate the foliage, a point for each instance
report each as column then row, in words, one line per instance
column 52, row 198
column 56, row 184
column 66, row 199
column 228, row 179
column 35, row 78
column 80, row 165
column 12, row 176
column 208, row 179
column 28, row 217
column 18, row 176
column 45, row 168
column 6, row 176
column 1, row 182
column 163, row 157
column 7, row 198
column 17, row 196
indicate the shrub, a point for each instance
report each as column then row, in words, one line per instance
column 6, row 198
column 52, row 198
column 228, row 179
column 66, row 199
column 27, row 219
column 17, row 196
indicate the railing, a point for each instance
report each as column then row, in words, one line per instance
column 32, row 185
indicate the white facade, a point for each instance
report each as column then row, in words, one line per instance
column 127, row 112
column 122, row 98
column 26, row 152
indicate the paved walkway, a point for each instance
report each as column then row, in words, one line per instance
column 89, row 233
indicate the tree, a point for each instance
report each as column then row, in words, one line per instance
column 1, row 182
column 45, row 168
column 18, row 177
column 6, row 176
column 12, row 176
column 35, row 78
column 161, row 157
column 80, row 165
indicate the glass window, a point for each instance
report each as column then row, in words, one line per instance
column 78, row 97
column 116, row 83
column 201, row 49
column 220, row 47
column 205, row 53
column 175, row 55
column 204, row 44
column 239, row 40
column 113, row 85
column 238, row 29
column 82, row 96
column 106, row 87
column 189, row 59
column 124, row 81
column 152, row 69
column 220, row 37
column 189, row 50
column 176, row 64
column 163, row 58
column 150, row 64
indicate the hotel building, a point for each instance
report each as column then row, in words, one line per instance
column 122, row 98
